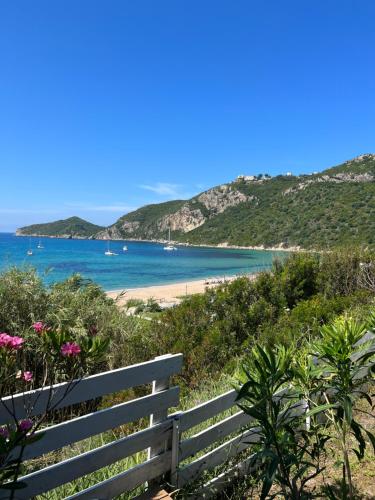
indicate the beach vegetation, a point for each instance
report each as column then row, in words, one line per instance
column 287, row 304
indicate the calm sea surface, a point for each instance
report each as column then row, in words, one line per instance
column 142, row 265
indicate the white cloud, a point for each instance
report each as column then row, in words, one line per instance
column 163, row 188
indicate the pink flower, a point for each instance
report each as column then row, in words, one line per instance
column 15, row 343
column 39, row 327
column 10, row 342
column 25, row 425
column 4, row 433
column 27, row 376
column 70, row 349
column 4, row 339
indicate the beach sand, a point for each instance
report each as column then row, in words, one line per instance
column 161, row 293
column 167, row 293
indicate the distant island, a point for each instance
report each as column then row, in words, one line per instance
column 74, row 227
column 321, row 210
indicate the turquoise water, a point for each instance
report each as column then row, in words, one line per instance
column 142, row 265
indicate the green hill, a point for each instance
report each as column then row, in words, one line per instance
column 322, row 210
column 74, row 227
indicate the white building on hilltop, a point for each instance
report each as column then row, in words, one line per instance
column 246, row 178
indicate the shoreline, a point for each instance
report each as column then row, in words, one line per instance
column 276, row 248
column 171, row 293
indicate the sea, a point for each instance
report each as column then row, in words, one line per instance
column 143, row 264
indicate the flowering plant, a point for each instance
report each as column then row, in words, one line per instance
column 39, row 358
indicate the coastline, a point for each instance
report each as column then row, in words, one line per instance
column 276, row 248
column 171, row 293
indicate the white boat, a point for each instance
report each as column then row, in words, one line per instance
column 125, row 248
column 169, row 247
column 29, row 252
column 108, row 251
column 40, row 245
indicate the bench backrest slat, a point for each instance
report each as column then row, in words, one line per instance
column 66, row 394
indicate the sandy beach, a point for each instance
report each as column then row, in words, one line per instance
column 166, row 293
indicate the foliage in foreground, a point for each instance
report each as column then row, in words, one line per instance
column 280, row 385
column 59, row 358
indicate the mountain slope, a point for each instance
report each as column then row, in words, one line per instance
column 74, row 227
column 334, row 207
column 154, row 221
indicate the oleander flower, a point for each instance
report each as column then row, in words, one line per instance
column 27, row 376
column 25, row 425
column 39, row 327
column 14, row 343
column 70, row 349
column 4, row 433
column 4, row 339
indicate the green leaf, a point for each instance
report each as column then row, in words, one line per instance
column 348, row 409
column 319, row 409
column 358, row 435
column 364, row 395
column 244, row 390
column 269, row 477
column 253, row 412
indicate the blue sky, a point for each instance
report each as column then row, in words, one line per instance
column 108, row 105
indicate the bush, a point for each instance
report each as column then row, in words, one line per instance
column 76, row 306
column 290, row 303
column 285, row 391
column 297, row 276
column 341, row 272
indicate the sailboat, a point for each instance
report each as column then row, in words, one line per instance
column 29, row 252
column 169, row 247
column 108, row 251
column 40, row 244
column 125, row 248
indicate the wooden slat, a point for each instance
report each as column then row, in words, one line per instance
column 83, row 427
column 367, row 337
column 217, row 456
column 211, row 408
column 61, row 395
column 127, row 480
column 73, row 468
column 161, row 414
column 207, row 410
column 201, row 440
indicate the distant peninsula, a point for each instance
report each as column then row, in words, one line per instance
column 73, row 227
column 316, row 211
